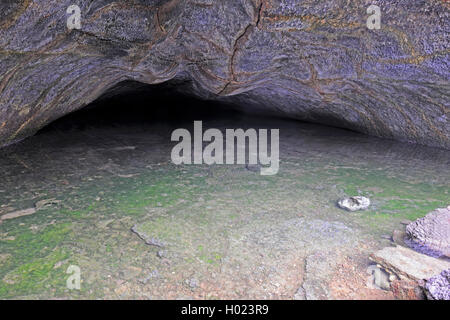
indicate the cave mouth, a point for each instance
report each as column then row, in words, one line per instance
column 134, row 113
column 134, row 104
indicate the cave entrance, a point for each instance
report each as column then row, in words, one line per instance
column 136, row 105
column 131, row 115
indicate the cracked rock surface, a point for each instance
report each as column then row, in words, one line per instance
column 306, row 59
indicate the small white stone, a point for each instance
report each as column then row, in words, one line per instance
column 354, row 203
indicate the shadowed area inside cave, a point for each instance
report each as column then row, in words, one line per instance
column 132, row 104
column 136, row 104
column 132, row 113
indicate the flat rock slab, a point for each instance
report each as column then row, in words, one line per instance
column 17, row 214
column 318, row 269
column 409, row 264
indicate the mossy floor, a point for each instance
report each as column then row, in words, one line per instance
column 228, row 232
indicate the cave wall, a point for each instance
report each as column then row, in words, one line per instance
column 314, row 60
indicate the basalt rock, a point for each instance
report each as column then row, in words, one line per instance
column 438, row 287
column 431, row 234
column 306, row 59
column 407, row 264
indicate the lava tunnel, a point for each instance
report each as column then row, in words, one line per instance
column 250, row 150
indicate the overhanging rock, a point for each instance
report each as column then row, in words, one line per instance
column 306, row 59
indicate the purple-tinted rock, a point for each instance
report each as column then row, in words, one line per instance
column 431, row 234
column 306, row 59
column 438, row 287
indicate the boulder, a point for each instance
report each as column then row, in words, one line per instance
column 431, row 234
column 438, row 287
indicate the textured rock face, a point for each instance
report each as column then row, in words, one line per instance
column 438, row 287
column 308, row 59
column 431, row 234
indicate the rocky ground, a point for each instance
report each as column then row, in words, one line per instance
column 220, row 231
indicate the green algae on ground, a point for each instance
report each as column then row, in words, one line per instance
column 215, row 220
column 31, row 266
